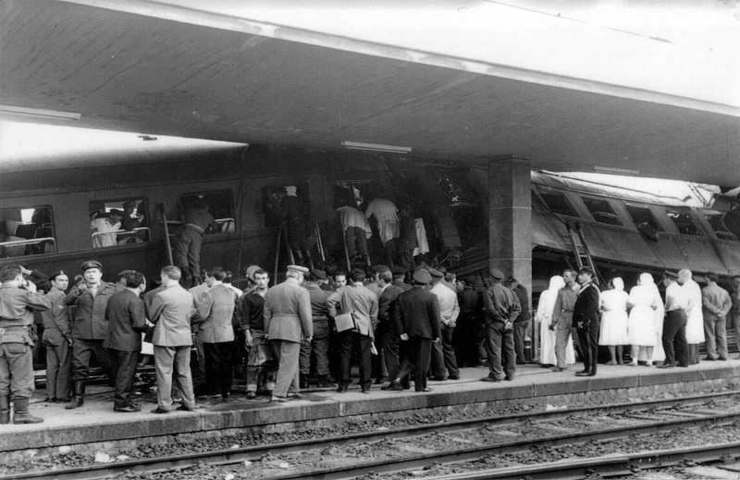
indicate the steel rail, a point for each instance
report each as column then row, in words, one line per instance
column 237, row 455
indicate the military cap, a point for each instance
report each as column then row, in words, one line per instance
column 88, row 264
column 422, row 276
column 435, row 273
column 298, row 268
column 318, row 274
column 497, row 274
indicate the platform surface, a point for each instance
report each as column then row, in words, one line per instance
column 96, row 421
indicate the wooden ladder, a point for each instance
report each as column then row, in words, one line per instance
column 581, row 250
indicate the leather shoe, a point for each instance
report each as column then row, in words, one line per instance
column 160, row 410
column 427, row 389
column 185, row 408
column 394, row 386
column 490, row 379
column 251, row 395
column 277, row 398
column 453, row 377
column 342, row 388
column 666, row 365
column 583, row 374
column 127, row 409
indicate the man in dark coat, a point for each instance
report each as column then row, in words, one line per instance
column 126, row 321
column 587, row 320
column 418, row 320
column 522, row 323
column 386, row 332
column 318, row 348
column 501, row 311
column 57, row 340
column 89, row 325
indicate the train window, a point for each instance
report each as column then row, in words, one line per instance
column 558, row 203
column 643, row 218
column 26, row 231
column 601, row 211
column 119, row 222
column 684, row 222
column 716, row 220
column 218, row 203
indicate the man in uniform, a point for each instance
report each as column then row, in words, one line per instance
column 288, row 322
column 444, row 360
column 501, row 311
column 217, row 333
column 89, row 327
column 562, row 318
column 188, row 243
column 261, row 364
column 318, row 347
column 717, row 304
column 523, row 321
column 171, row 309
column 58, row 340
column 18, row 301
column 587, row 320
column 126, row 322
column 417, row 318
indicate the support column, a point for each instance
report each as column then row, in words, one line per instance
column 510, row 218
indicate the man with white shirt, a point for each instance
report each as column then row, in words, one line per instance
column 443, row 352
column 674, row 325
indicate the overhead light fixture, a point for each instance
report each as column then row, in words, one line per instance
column 37, row 113
column 616, row 171
column 375, row 147
column 147, row 138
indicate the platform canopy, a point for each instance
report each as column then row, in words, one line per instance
column 651, row 90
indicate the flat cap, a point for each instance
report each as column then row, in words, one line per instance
column 422, row 276
column 88, row 264
column 435, row 273
column 497, row 274
column 298, row 268
column 251, row 270
column 318, row 274
column 669, row 274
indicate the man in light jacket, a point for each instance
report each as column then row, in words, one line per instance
column 288, row 321
column 171, row 310
column 716, row 305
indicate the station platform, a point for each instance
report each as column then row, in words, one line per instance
column 534, row 386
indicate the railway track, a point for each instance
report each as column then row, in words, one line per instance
column 419, row 446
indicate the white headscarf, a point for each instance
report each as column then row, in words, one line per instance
column 618, row 284
column 546, row 305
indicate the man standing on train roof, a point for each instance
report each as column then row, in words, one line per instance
column 171, row 309
column 89, row 326
column 18, row 301
column 587, row 320
column 126, row 322
column 717, row 305
column 674, row 324
column 417, row 319
column 187, row 245
column 288, row 322
column 502, row 308
column 57, row 339
column 444, row 361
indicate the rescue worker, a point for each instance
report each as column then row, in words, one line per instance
column 288, row 322
column 18, row 301
column 587, row 320
column 318, row 347
column 297, row 230
column 188, row 243
column 126, row 322
column 501, row 311
column 57, row 339
column 444, row 360
column 89, row 327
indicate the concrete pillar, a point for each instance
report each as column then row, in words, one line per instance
column 510, row 218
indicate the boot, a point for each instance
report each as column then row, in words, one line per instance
column 20, row 412
column 4, row 410
column 78, row 400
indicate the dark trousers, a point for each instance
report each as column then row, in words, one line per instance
column 58, row 370
column 318, row 350
column 389, row 349
column 499, row 343
column 520, row 333
column 198, row 366
column 417, row 352
column 123, row 365
column 674, row 338
column 347, row 340
column 186, row 254
column 82, row 352
column 444, row 360
column 356, row 242
column 218, row 367
column 588, row 337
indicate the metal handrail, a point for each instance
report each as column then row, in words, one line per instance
column 28, row 241
column 121, row 232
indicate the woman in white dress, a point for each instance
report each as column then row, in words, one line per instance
column 641, row 325
column 545, row 308
column 694, row 314
column 613, row 331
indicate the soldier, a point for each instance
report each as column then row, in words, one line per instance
column 89, row 327
column 318, row 347
column 57, row 339
column 18, row 300
column 587, row 319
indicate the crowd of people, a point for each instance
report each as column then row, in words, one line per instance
column 662, row 328
column 310, row 326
